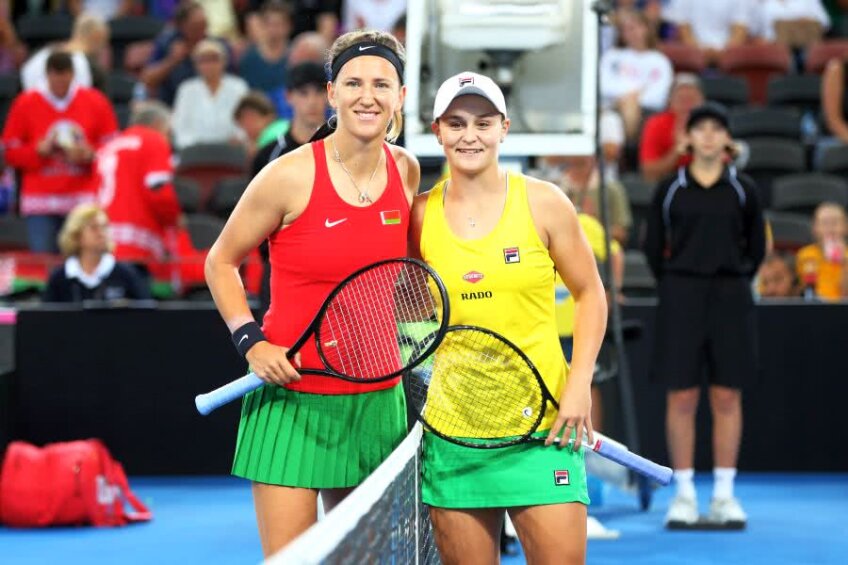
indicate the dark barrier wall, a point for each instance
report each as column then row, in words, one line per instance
column 795, row 417
column 130, row 377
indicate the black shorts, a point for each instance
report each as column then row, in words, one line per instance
column 705, row 324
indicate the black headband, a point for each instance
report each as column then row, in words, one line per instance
column 366, row 48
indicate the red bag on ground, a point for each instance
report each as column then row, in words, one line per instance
column 70, row 483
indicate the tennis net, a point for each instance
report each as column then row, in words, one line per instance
column 382, row 521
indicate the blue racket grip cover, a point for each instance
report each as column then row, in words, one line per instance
column 646, row 467
column 208, row 402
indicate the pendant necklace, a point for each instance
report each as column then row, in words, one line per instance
column 364, row 198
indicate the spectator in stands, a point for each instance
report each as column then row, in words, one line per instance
column 309, row 47
column 203, row 110
column 775, row 278
column 221, row 18
column 136, row 187
column 104, row 9
column 663, row 146
column 581, row 181
column 715, row 25
column 264, row 63
column 796, row 23
column 88, row 42
column 705, row 240
column 171, row 62
column 12, row 51
column 256, row 117
column 371, row 14
column 90, row 271
column 834, row 104
column 307, row 96
column 635, row 77
column 321, row 16
column 823, row 265
column 50, row 136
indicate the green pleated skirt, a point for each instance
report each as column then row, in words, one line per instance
column 299, row 439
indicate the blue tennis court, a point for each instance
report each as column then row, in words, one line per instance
column 794, row 518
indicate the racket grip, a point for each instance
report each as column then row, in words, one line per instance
column 208, row 402
column 646, row 467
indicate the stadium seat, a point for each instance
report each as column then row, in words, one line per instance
column 835, row 160
column 13, row 234
column 756, row 64
column 790, row 232
column 203, row 230
column 638, row 280
column 765, row 122
column 136, row 55
column 122, row 112
column 820, row 53
column 639, row 193
column 127, row 30
column 207, row 163
column 771, row 157
column 803, row 192
column 727, row 90
column 37, row 29
column 226, row 195
column 684, row 58
column 119, row 86
column 9, row 88
column 802, row 92
column 188, row 194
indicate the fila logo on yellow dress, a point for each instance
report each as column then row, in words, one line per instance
column 511, row 255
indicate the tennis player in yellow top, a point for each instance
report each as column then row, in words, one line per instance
column 497, row 239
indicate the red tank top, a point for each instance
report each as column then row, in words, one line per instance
column 330, row 240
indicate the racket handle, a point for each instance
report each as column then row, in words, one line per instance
column 208, row 402
column 622, row 456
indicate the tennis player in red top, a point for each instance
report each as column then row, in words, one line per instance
column 328, row 208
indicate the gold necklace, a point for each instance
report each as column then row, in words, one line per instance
column 364, row 198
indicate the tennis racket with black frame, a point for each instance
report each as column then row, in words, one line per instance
column 377, row 323
column 480, row 390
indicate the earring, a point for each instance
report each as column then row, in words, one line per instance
column 331, row 124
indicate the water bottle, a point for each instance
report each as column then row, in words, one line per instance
column 139, row 92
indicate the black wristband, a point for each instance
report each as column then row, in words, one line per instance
column 247, row 336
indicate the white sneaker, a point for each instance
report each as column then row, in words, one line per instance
column 682, row 513
column 728, row 513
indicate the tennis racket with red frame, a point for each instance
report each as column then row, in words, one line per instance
column 380, row 321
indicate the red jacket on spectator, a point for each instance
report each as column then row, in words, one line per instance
column 51, row 184
column 658, row 138
column 136, row 190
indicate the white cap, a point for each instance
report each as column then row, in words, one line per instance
column 468, row 83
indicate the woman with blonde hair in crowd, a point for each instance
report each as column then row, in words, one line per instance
column 90, row 271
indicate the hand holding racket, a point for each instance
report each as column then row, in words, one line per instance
column 377, row 323
column 481, row 391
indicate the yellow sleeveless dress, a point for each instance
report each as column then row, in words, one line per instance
column 503, row 281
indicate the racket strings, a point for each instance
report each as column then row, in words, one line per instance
column 477, row 389
column 381, row 321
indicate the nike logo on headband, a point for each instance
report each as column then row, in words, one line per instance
column 364, row 47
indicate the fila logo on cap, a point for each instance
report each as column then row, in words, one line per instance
column 465, row 81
